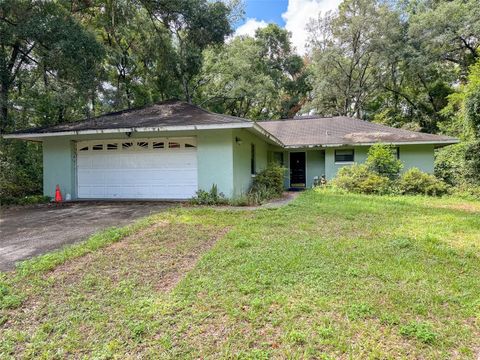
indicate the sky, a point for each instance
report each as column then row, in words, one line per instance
column 292, row 15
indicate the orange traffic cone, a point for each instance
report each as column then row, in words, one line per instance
column 58, row 194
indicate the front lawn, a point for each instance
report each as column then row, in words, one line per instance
column 328, row 276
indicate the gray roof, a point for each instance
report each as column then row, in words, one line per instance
column 165, row 113
column 301, row 132
column 342, row 130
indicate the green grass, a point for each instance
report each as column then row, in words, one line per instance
column 328, row 276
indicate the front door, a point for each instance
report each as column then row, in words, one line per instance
column 297, row 170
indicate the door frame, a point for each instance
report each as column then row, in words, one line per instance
column 289, row 168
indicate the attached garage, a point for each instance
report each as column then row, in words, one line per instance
column 137, row 169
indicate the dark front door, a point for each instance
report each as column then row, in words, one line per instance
column 297, row 170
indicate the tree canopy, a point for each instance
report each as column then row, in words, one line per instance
column 404, row 63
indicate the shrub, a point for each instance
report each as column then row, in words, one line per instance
column 212, row 197
column 382, row 160
column 26, row 200
column 359, row 179
column 415, row 181
column 269, row 181
column 467, row 191
column 459, row 164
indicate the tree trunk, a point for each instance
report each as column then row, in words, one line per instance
column 3, row 108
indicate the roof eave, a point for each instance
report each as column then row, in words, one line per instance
column 38, row 136
column 271, row 138
column 430, row 142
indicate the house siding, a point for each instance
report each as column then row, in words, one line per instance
column 419, row 156
column 58, row 166
column 221, row 160
column 214, row 159
column 242, row 177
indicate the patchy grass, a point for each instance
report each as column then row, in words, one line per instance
column 328, row 276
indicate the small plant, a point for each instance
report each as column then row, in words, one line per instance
column 382, row 160
column 212, row 197
column 420, row 331
column 267, row 184
column 359, row 311
column 415, row 182
column 359, row 179
column 269, row 181
column 297, row 337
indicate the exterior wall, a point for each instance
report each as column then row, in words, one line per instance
column 214, row 151
column 221, row 160
column 58, row 166
column 419, row 156
column 331, row 168
column 242, row 177
column 315, row 163
column 215, row 161
column 315, row 160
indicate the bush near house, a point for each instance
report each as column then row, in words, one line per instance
column 212, row 197
column 269, row 181
column 267, row 184
column 382, row 160
column 415, row 181
column 380, row 175
column 360, row 179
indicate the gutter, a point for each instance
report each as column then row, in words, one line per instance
column 126, row 130
column 398, row 143
column 269, row 136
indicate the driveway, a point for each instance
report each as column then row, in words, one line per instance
column 29, row 231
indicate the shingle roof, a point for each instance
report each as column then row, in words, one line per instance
column 343, row 131
column 166, row 113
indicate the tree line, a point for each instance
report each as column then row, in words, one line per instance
column 406, row 63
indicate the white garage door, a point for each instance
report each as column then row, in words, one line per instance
column 137, row 169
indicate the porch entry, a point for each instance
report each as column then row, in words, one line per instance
column 298, row 178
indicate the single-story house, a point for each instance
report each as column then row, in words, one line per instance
column 171, row 149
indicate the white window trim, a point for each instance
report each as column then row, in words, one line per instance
column 344, row 162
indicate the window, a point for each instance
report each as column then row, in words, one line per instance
column 278, row 158
column 189, row 145
column 142, row 144
column 173, row 145
column 344, row 156
column 252, row 159
column 97, row 147
column 396, row 152
column 112, row 146
column 158, row 145
column 127, row 145
column 85, row 148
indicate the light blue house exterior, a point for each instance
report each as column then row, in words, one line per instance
column 226, row 153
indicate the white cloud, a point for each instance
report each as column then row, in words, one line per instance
column 249, row 27
column 299, row 13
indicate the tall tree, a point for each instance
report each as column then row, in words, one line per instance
column 258, row 78
column 344, row 47
column 194, row 26
column 43, row 38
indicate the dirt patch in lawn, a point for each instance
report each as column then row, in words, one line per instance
column 109, row 281
column 470, row 207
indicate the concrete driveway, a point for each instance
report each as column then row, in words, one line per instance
column 29, row 231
